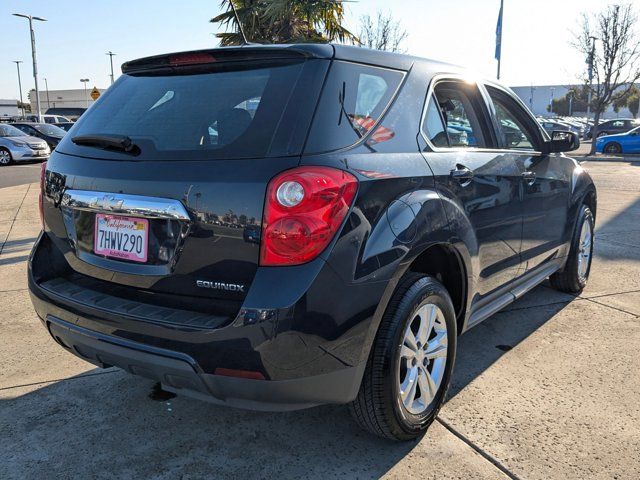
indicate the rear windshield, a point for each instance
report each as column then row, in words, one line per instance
column 243, row 113
column 51, row 130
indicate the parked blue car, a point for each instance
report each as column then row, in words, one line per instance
column 628, row 142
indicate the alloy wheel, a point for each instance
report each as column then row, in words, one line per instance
column 423, row 358
column 585, row 247
column 612, row 148
column 5, row 157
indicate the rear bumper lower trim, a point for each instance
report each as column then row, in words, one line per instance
column 180, row 373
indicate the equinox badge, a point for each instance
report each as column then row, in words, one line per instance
column 231, row 287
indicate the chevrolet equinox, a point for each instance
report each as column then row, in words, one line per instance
column 278, row 227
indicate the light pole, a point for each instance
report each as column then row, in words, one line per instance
column 551, row 101
column 531, row 97
column 570, row 97
column 86, row 99
column 18, row 62
column 111, row 54
column 33, row 54
column 46, row 85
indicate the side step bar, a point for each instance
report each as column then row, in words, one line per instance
column 528, row 282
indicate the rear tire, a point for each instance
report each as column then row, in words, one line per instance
column 573, row 278
column 5, row 157
column 391, row 402
column 612, row 147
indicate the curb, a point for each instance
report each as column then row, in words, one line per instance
column 601, row 158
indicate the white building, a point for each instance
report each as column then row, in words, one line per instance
column 9, row 108
column 538, row 98
column 76, row 98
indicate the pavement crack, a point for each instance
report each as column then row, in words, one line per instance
column 13, row 222
column 487, row 456
column 615, row 308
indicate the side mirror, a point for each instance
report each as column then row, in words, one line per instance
column 562, row 141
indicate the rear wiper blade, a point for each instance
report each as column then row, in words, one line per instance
column 108, row 142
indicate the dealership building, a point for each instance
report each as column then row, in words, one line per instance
column 9, row 108
column 538, row 98
column 61, row 99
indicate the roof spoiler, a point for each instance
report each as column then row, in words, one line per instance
column 207, row 58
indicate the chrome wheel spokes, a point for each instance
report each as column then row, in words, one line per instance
column 584, row 249
column 423, row 358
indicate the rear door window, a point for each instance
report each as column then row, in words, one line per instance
column 353, row 100
column 455, row 116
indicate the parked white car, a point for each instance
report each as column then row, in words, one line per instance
column 17, row 146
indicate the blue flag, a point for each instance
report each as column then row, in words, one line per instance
column 499, row 34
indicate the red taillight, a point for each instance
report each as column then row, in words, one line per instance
column 231, row 372
column 43, row 170
column 303, row 210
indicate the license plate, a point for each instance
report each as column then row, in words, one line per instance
column 126, row 238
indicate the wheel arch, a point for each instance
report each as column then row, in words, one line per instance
column 444, row 262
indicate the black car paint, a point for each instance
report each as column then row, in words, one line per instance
column 307, row 321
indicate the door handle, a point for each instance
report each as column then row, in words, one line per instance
column 529, row 177
column 462, row 174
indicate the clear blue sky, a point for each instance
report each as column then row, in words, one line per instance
column 72, row 43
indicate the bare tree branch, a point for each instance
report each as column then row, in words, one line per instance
column 616, row 61
column 383, row 33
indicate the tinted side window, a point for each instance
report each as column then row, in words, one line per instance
column 461, row 109
column 353, row 100
column 432, row 125
column 516, row 130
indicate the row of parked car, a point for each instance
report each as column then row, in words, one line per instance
column 26, row 139
column 620, row 135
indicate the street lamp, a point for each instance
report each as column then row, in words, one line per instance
column 86, row 98
column 33, row 54
column 551, row 100
column 111, row 54
column 18, row 62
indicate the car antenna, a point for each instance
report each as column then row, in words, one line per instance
column 235, row 13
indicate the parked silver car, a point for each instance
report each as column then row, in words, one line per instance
column 17, row 146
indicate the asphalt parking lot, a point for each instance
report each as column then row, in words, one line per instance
column 549, row 388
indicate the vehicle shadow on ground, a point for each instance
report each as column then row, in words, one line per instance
column 485, row 344
column 107, row 424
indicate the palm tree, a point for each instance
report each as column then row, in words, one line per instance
column 284, row 21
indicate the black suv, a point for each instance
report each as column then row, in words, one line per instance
column 611, row 127
column 281, row 227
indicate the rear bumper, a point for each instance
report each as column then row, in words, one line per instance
column 181, row 374
column 304, row 359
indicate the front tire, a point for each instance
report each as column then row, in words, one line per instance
column 5, row 157
column 410, row 364
column 573, row 278
column 612, row 148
